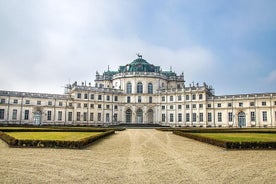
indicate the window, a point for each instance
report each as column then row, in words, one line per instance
column 219, row 116
column 219, row 104
column 60, row 104
column 179, row 98
column 179, row 117
column 209, row 105
column 163, row 99
column 59, row 115
column 187, row 97
column 129, row 88
column 99, row 97
column 230, row 116
column 252, row 116
column 263, row 103
column 85, row 96
column 85, row 105
column 194, row 106
column 107, row 107
column 107, row 117
column 99, row 117
column 38, row 102
column 79, row 95
column 240, row 104
column 15, row 101
column 27, row 102
column 49, row 115
column 264, row 116
column 194, row 117
column 229, row 104
column 187, row 117
column 163, row 107
column 115, row 107
column 171, row 106
column 14, row 114
column 194, row 96
column 78, row 116
column 200, row 96
column 107, row 97
column 3, row 101
column 91, row 116
column 116, row 98
column 139, row 87
column 171, row 117
column 200, row 106
column 70, row 104
column 252, row 104
column 171, row 98
column 187, row 106
column 115, row 117
column 150, row 88
column 79, row 105
column 99, row 106
column 128, row 99
column 201, row 117
column 139, row 99
column 50, row 103
column 163, row 117
column 2, row 113
column 209, row 118
column 274, row 102
column 26, row 114
column 92, row 96
column 150, row 99
column 179, row 106
column 85, row 116
column 70, row 116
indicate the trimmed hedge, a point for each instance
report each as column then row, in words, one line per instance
column 12, row 142
column 55, row 129
column 228, row 144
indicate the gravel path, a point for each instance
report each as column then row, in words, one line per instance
column 137, row 156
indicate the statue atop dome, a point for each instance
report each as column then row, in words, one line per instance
column 139, row 55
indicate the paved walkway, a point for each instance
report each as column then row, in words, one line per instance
column 137, row 156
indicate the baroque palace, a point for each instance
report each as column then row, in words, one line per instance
column 138, row 93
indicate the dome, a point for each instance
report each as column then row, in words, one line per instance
column 140, row 65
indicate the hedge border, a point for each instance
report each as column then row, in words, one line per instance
column 80, row 144
column 227, row 144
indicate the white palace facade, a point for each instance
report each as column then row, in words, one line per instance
column 138, row 93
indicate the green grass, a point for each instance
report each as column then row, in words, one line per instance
column 241, row 137
column 62, row 136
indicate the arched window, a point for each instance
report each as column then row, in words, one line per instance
column 139, row 87
column 129, row 88
column 139, row 117
column 128, row 116
column 150, row 88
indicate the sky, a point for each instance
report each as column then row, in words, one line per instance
column 46, row 44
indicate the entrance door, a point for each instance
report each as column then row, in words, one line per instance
column 241, row 119
column 139, row 116
column 128, row 116
column 150, row 116
column 37, row 118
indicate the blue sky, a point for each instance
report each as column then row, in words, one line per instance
column 227, row 44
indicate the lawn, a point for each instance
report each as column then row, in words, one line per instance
column 241, row 137
column 62, row 136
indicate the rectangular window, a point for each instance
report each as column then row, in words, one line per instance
column 240, row 104
column 91, row 116
column 14, row 114
column 163, row 117
column 79, row 105
column 187, row 97
column 26, row 114
column 219, row 104
column 200, row 106
column 70, row 104
column 99, row 97
column 179, row 117
column 219, row 117
column 209, row 105
column 252, row 104
column 179, row 98
column 27, row 102
column 50, row 103
column 163, row 99
column 60, row 104
column 229, row 104
column 15, row 101
column 263, row 103
column 38, row 102
column 107, row 117
column 194, row 106
column 85, row 105
column 115, row 107
column 209, row 118
column 230, row 116
column 128, row 99
column 85, row 96
column 163, row 107
column 194, row 117
column 99, row 106
column 85, row 116
column 99, row 117
column 139, row 99
column 2, row 113
column 3, row 101
column 116, row 98
column 92, row 96
column 171, row 98
column 201, row 117
column 179, row 106
column 194, row 96
column 92, row 106
column 115, row 117
column 264, row 116
column 150, row 99
column 107, row 106
column 252, row 116
column 187, row 106
column 78, row 116
column 79, row 95
column 49, row 115
column 70, row 116
column 171, row 117
column 200, row 96
column 187, row 117
column 171, row 106
column 59, row 115
column 107, row 98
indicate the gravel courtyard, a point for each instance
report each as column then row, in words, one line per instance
column 137, row 156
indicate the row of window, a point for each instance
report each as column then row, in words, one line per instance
column 92, row 97
column 139, row 99
column 194, row 106
column 38, row 102
column 187, row 97
column 139, row 88
column 251, row 104
column 85, row 105
column 194, row 117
